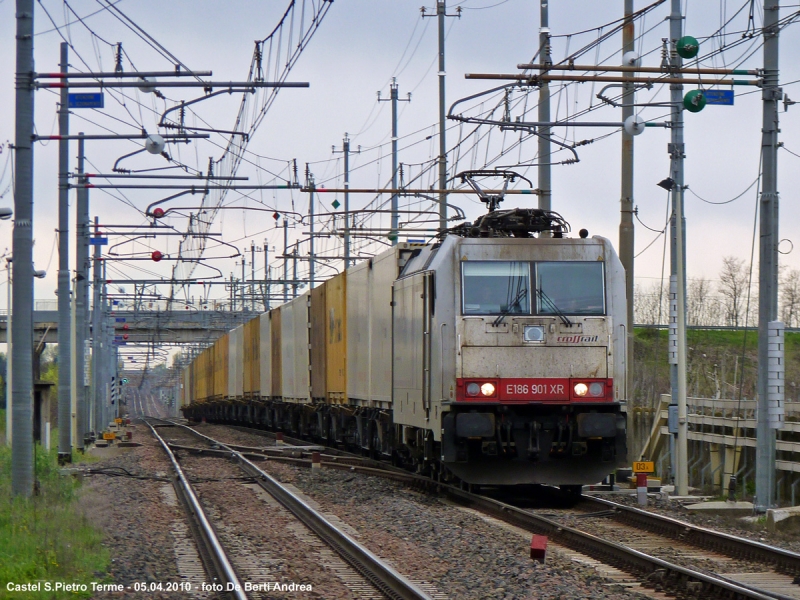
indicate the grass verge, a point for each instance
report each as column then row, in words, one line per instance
column 45, row 538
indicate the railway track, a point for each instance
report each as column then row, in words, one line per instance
column 701, row 563
column 214, row 557
column 635, row 553
column 377, row 579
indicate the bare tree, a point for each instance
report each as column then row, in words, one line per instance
column 790, row 297
column 702, row 306
column 733, row 284
column 651, row 304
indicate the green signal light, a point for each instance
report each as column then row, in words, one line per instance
column 124, row 380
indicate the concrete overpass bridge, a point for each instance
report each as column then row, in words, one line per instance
column 173, row 327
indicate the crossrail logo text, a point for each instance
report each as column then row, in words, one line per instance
column 577, row 339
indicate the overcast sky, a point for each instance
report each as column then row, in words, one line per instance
column 359, row 47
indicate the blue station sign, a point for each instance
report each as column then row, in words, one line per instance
column 721, row 97
column 86, row 100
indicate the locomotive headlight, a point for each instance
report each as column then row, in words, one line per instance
column 596, row 389
column 581, row 389
column 473, row 389
column 487, row 389
column 533, row 333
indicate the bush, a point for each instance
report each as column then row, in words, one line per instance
column 45, row 537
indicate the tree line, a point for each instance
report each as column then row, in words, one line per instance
column 730, row 300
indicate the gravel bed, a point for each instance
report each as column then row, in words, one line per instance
column 264, row 541
column 134, row 518
column 755, row 530
column 668, row 549
column 227, row 435
column 432, row 542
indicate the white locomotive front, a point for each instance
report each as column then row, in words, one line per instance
column 510, row 352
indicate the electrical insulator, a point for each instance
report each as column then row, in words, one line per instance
column 694, row 101
column 687, row 47
column 158, row 212
column 156, row 256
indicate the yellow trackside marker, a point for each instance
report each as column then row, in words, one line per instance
column 644, row 466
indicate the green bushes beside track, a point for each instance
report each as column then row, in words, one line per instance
column 46, row 538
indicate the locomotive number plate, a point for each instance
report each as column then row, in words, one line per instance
column 534, row 389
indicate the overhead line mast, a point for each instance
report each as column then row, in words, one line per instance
column 770, row 388
column 441, row 13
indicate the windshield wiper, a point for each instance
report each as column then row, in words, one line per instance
column 552, row 306
column 515, row 302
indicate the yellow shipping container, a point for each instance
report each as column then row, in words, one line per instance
column 336, row 339
column 202, row 377
column 252, row 353
column 220, row 357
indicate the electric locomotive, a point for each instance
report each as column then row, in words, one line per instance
column 495, row 356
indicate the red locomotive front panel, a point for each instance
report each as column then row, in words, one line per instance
column 534, row 389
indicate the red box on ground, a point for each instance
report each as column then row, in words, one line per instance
column 539, row 548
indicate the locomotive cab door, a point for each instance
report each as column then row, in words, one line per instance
column 412, row 312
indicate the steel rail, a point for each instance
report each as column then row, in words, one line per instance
column 675, row 577
column 385, row 578
column 628, row 559
column 783, row 560
column 207, row 539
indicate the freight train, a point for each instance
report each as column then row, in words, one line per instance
column 494, row 356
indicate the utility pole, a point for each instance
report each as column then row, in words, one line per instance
column 9, row 353
column 393, row 97
column 441, row 13
column 294, row 272
column 285, row 260
column 81, row 304
column 311, row 265
column 97, row 338
column 242, row 284
column 678, row 257
column 252, row 276
column 346, row 151
column 64, row 325
column 545, row 186
column 626, row 231
column 768, row 259
column 22, row 334
column 267, row 276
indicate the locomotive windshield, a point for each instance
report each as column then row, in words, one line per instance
column 503, row 287
column 575, row 288
column 496, row 287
